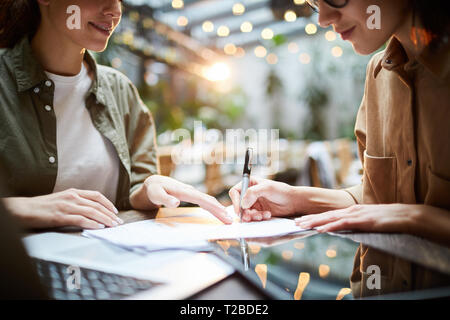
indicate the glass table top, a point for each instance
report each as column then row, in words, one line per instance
column 307, row 265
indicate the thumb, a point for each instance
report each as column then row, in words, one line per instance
column 171, row 202
column 253, row 194
column 159, row 196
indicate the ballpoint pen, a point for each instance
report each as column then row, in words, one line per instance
column 244, row 187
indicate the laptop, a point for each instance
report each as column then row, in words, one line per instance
column 63, row 266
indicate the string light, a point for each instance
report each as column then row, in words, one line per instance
column 311, row 28
column 324, row 270
column 331, row 253
column 267, row 34
column 177, row 4
column 260, row 51
column 272, row 59
column 223, row 31
column 330, row 35
column 182, row 21
column 230, row 49
column 337, row 51
column 238, row 9
column 246, row 27
column 304, row 58
column 208, row 26
column 290, row 16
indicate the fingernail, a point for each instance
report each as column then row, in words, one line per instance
column 101, row 226
column 305, row 225
column 114, row 223
column 119, row 220
column 175, row 203
column 320, row 228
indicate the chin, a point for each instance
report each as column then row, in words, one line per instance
column 97, row 46
column 363, row 50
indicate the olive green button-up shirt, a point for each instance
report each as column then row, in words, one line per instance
column 28, row 149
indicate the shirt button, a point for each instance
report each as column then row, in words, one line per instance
column 48, row 108
column 409, row 162
column 36, row 90
column 51, row 159
column 48, row 83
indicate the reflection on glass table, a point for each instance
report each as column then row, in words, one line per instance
column 306, row 265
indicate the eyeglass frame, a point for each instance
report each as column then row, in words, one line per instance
column 328, row 2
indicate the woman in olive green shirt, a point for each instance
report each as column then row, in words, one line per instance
column 41, row 39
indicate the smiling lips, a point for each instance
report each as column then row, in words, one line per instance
column 347, row 33
column 106, row 28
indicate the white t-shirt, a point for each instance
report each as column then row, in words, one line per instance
column 86, row 160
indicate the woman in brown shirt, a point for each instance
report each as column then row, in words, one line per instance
column 403, row 133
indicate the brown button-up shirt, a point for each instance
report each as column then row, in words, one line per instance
column 403, row 136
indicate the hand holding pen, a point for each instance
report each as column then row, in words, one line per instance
column 266, row 198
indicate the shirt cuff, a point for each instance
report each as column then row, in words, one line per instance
column 356, row 193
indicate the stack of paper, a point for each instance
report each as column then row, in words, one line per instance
column 173, row 232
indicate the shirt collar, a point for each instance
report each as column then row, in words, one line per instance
column 99, row 79
column 26, row 69
column 29, row 73
column 437, row 61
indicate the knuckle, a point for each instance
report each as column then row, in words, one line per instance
column 91, row 212
column 71, row 195
column 97, row 195
column 77, row 220
column 58, row 219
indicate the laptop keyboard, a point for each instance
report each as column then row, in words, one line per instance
column 64, row 283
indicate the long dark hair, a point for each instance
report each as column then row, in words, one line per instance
column 435, row 18
column 17, row 19
column 22, row 17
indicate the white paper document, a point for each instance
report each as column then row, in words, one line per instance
column 179, row 231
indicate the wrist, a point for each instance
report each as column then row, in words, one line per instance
column 139, row 198
column 19, row 211
column 417, row 223
column 311, row 200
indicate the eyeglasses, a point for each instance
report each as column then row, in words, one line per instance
column 338, row 4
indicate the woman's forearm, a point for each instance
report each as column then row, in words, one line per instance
column 310, row 200
column 432, row 223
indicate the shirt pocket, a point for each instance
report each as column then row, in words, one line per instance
column 438, row 193
column 379, row 180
